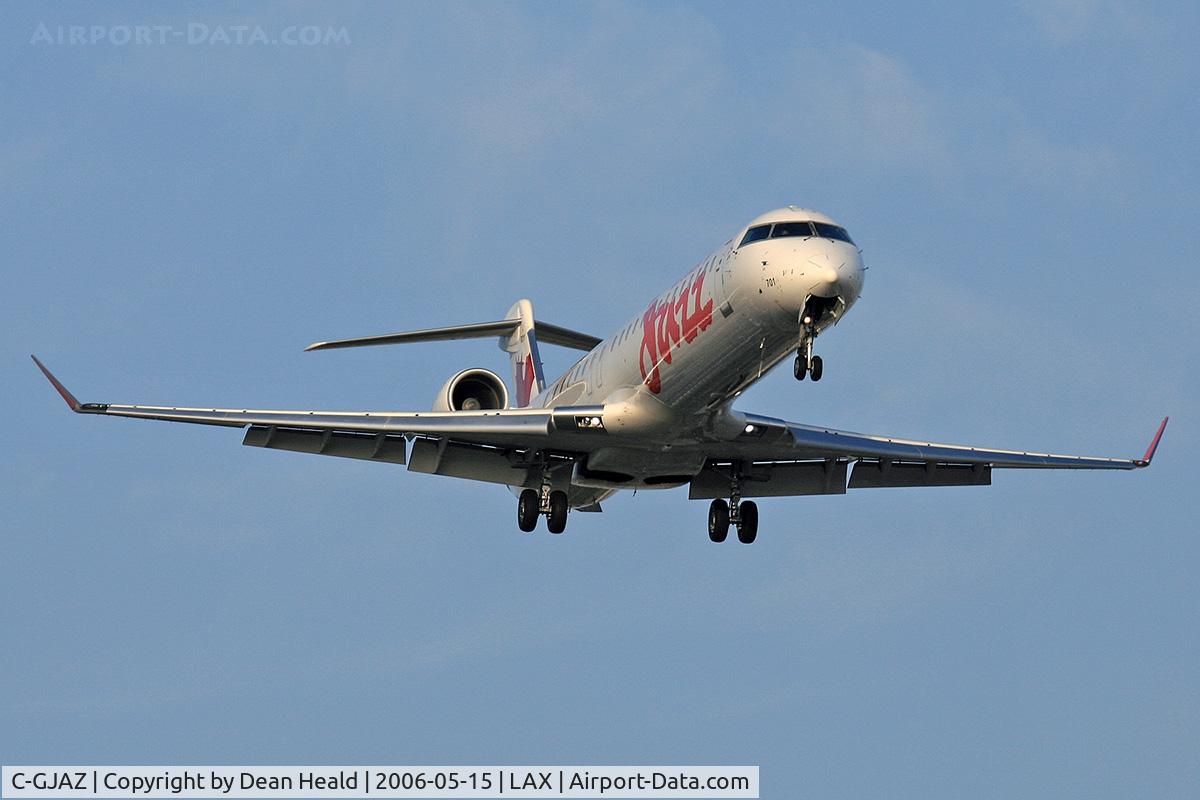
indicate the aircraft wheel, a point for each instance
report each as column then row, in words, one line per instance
column 747, row 522
column 527, row 509
column 556, row 521
column 816, row 368
column 800, row 368
column 718, row 520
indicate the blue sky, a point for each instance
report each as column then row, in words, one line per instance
column 180, row 220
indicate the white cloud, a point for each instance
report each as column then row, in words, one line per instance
column 1079, row 166
column 860, row 104
column 1063, row 21
column 529, row 104
column 870, row 110
column 511, row 85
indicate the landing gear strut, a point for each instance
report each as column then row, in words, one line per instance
column 806, row 363
column 742, row 513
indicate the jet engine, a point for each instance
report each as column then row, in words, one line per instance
column 474, row 389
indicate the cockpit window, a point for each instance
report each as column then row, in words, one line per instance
column 782, row 229
column 832, row 232
column 755, row 234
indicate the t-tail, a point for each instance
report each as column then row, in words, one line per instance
column 522, row 348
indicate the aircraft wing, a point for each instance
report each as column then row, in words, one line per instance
column 821, row 442
column 374, row 435
column 774, row 456
column 779, row 458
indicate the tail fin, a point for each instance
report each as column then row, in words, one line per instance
column 522, row 347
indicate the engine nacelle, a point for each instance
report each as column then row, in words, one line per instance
column 474, row 389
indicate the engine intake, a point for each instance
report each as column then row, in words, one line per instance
column 474, row 389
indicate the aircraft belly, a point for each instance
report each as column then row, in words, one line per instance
column 737, row 352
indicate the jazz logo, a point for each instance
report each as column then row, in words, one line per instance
column 669, row 322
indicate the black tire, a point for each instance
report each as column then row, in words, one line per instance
column 556, row 521
column 747, row 522
column 800, row 368
column 718, row 520
column 817, row 368
column 528, row 506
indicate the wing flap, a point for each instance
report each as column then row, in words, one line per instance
column 886, row 474
column 473, row 463
column 771, row 479
column 380, row 446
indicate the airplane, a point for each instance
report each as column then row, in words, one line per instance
column 649, row 407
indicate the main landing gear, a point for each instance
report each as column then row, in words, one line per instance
column 551, row 502
column 742, row 513
column 806, row 363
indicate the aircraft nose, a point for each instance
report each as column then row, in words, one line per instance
column 790, row 271
column 834, row 274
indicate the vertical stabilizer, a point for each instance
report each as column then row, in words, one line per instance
column 522, row 348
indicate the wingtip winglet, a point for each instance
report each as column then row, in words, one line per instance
column 69, row 398
column 1145, row 460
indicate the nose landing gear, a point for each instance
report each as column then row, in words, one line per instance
column 806, row 363
column 815, row 309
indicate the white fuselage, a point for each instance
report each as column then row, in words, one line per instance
column 715, row 332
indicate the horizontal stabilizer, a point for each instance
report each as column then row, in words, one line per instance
column 565, row 337
column 551, row 334
column 477, row 330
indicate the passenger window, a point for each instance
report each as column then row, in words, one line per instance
column 755, row 234
column 783, row 229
